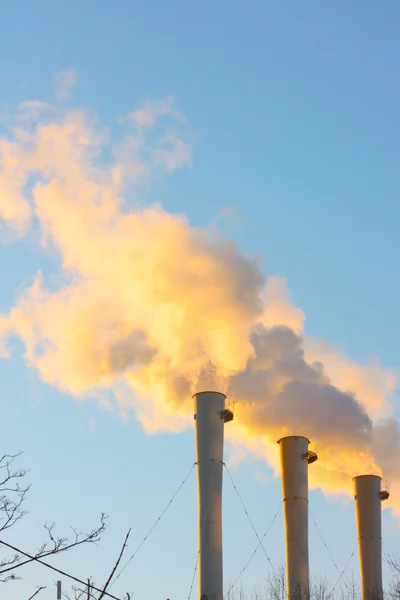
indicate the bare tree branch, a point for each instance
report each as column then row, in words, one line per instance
column 115, row 566
column 38, row 560
column 59, row 544
column 12, row 493
column 43, row 587
column 393, row 561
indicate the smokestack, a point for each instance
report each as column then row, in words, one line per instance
column 210, row 415
column 295, row 458
column 368, row 496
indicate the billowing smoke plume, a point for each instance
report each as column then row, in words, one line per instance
column 149, row 309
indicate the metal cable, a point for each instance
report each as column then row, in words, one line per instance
column 325, row 544
column 347, row 564
column 194, row 574
column 255, row 550
column 154, row 525
column 202, row 529
column 249, row 519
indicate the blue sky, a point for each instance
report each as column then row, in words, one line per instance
column 293, row 108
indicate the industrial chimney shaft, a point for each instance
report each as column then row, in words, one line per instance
column 368, row 496
column 295, row 458
column 210, row 416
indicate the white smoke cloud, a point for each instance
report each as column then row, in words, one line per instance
column 153, row 309
column 146, row 116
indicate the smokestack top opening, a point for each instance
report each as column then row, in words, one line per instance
column 295, row 437
column 367, row 475
column 208, row 392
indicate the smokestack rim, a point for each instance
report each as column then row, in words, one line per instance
column 367, row 475
column 296, row 437
column 209, row 392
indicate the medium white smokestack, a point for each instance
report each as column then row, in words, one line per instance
column 295, row 458
column 210, row 415
column 368, row 496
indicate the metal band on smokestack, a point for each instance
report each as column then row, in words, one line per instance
column 210, row 415
column 295, row 458
column 368, row 496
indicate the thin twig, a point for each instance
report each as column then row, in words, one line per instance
column 43, row 587
column 91, row 537
column 116, row 565
column 54, row 568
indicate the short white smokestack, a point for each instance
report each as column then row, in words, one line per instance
column 368, row 496
column 295, row 458
column 210, row 415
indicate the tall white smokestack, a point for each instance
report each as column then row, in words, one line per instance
column 295, row 458
column 368, row 496
column 210, row 415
